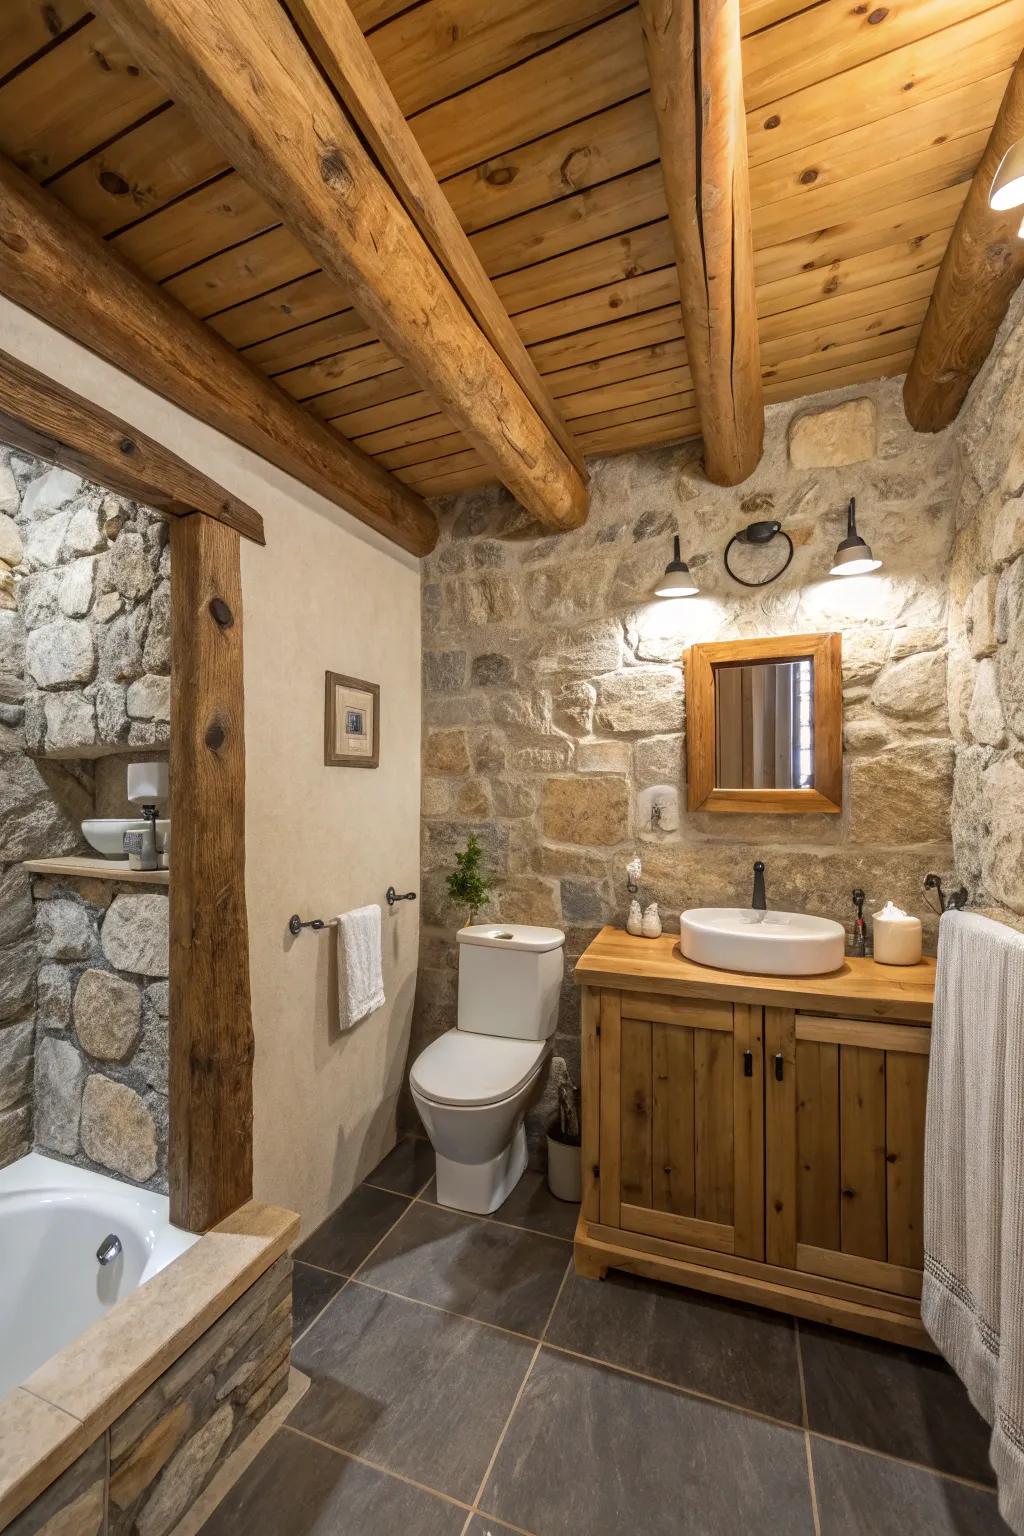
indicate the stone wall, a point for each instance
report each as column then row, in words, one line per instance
column 145, row 1472
column 986, row 632
column 553, row 694
column 84, row 671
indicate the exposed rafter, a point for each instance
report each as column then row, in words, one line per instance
column 276, row 120
column 693, row 56
column 981, row 269
column 44, row 418
column 55, row 267
column 334, row 35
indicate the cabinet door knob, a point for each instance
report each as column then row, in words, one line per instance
column 748, row 1063
column 779, row 1066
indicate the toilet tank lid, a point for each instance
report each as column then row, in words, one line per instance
column 512, row 936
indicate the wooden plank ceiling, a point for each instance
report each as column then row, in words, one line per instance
column 864, row 127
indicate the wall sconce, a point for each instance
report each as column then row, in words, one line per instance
column 677, row 580
column 1008, row 182
column 853, row 556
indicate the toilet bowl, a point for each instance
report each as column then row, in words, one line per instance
column 473, row 1085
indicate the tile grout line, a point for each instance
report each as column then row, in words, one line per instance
column 323, row 1309
column 805, row 1419
column 517, row 1399
column 375, row 1466
column 656, row 1381
column 496, row 1221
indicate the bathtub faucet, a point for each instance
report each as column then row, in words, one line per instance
column 109, row 1249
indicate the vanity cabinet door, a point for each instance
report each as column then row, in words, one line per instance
column 682, row 1129
column 845, row 1104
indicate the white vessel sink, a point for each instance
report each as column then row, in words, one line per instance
column 106, row 833
column 762, row 943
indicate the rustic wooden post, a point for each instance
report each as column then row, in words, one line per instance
column 211, row 1039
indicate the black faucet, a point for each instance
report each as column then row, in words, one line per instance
column 759, row 901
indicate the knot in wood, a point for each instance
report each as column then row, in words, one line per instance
column 808, row 177
column 876, row 16
column 334, row 171
column 773, row 121
column 221, row 613
column 126, row 445
column 501, row 175
column 216, row 735
column 14, row 242
column 116, row 185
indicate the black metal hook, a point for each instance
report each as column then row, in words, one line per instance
column 391, row 896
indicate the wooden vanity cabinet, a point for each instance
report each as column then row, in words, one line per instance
column 763, row 1141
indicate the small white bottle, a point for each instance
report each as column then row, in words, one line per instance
column 635, row 922
column 652, row 921
column 897, row 936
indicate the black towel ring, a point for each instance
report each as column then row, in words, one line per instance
column 759, row 533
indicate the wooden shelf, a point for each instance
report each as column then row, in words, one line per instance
column 98, row 869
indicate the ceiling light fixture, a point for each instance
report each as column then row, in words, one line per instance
column 1008, row 182
column 677, row 581
column 853, row 556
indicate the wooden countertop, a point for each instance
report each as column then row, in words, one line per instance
column 860, row 988
column 76, row 867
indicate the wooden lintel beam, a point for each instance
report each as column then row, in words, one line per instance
column 693, row 58
column 211, row 1036
column 47, row 419
column 245, row 76
column 52, row 265
column 982, row 267
column 336, row 39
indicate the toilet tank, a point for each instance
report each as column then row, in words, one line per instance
column 510, row 975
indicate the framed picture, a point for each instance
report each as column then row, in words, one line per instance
column 351, row 722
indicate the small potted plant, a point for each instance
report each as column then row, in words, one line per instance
column 564, row 1137
column 467, row 886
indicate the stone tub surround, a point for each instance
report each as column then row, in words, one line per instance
column 986, row 673
column 167, row 1384
column 101, row 1026
column 553, row 693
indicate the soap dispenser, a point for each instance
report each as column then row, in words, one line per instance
column 148, row 783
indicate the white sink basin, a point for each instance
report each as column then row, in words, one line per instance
column 106, row 833
column 762, row 943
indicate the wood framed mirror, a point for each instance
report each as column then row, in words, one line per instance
column 764, row 725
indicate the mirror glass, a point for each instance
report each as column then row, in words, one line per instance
column 764, row 725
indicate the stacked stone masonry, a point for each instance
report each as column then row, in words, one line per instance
column 553, row 691
column 986, row 660
column 145, row 1473
column 84, row 672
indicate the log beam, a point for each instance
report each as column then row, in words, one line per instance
column 46, row 419
column 344, row 55
column 52, row 265
column 982, row 267
column 693, row 58
column 210, row 1033
column 243, row 73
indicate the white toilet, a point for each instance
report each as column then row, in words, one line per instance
column 473, row 1086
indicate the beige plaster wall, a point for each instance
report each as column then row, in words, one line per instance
column 325, row 593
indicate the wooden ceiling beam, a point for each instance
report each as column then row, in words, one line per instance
column 46, row 419
column 980, row 271
column 693, row 55
column 54, row 267
column 344, row 55
column 278, row 122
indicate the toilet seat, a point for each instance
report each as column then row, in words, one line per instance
column 463, row 1068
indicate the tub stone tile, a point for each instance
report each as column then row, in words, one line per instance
column 117, row 1129
column 59, row 1080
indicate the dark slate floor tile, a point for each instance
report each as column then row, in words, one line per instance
column 738, row 1353
column 412, row 1389
column 486, row 1525
column 899, row 1401
column 297, row 1488
column 406, row 1168
column 877, row 1497
column 312, row 1289
column 593, row 1452
column 532, row 1205
column 477, row 1268
column 342, row 1241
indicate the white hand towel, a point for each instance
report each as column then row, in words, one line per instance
column 972, row 1301
column 360, row 978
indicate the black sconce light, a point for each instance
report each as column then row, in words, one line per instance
column 853, row 556
column 677, row 580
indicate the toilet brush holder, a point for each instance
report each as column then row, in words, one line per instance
column 564, row 1169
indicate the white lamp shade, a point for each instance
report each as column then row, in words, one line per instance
column 676, row 584
column 148, row 783
column 1008, row 182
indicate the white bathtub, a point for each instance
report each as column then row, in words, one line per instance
column 53, row 1217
